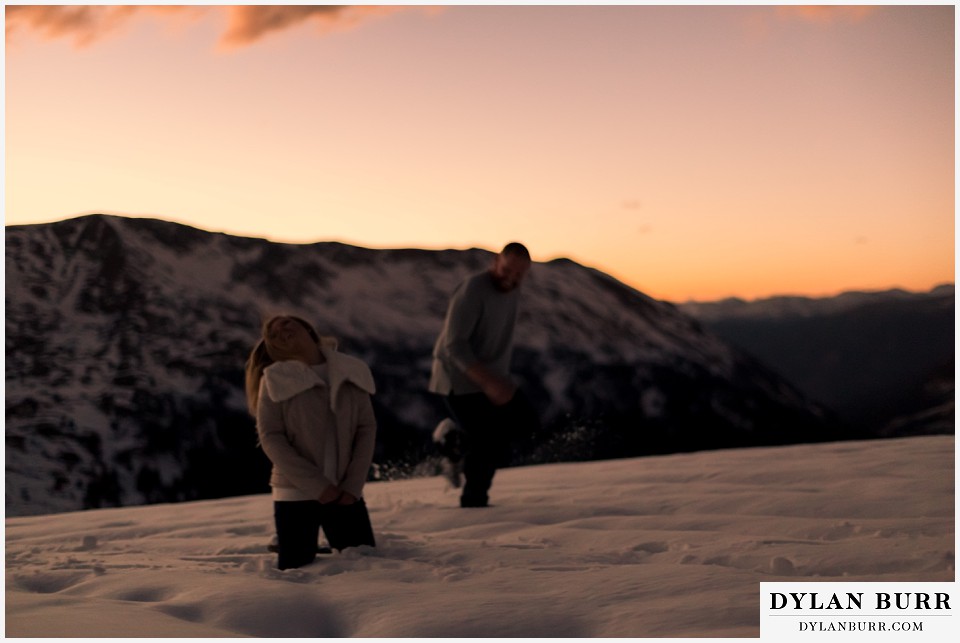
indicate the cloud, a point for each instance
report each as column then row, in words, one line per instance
column 84, row 24
column 244, row 24
column 247, row 24
column 761, row 24
column 825, row 14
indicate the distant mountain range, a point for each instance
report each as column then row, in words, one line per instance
column 884, row 361
column 126, row 339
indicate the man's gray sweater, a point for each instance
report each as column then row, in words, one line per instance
column 478, row 329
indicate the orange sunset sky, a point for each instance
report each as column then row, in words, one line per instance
column 694, row 152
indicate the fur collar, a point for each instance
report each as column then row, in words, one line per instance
column 286, row 379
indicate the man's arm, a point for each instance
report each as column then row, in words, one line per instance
column 498, row 390
column 463, row 315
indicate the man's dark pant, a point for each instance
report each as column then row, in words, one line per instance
column 489, row 431
column 299, row 522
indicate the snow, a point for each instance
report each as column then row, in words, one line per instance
column 670, row 546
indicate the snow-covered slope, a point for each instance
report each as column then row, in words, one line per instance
column 877, row 359
column 125, row 343
column 664, row 546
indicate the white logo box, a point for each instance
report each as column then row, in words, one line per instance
column 808, row 611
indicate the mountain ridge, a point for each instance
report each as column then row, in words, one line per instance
column 126, row 339
column 879, row 359
column 776, row 306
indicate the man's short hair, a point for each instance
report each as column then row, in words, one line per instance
column 516, row 249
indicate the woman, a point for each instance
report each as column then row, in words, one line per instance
column 316, row 424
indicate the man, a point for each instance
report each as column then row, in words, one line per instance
column 471, row 367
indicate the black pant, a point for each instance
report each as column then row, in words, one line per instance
column 488, row 432
column 299, row 522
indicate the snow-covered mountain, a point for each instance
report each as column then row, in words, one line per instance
column 126, row 338
column 878, row 359
column 796, row 306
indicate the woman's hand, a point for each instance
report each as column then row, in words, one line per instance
column 346, row 498
column 330, row 494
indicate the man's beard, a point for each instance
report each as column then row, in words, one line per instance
column 504, row 285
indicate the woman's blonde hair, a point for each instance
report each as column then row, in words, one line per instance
column 264, row 354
